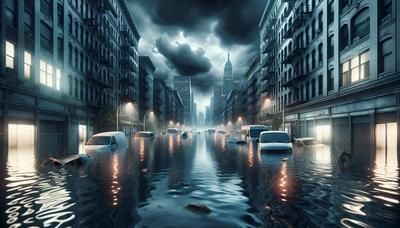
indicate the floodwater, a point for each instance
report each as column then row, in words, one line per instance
column 151, row 183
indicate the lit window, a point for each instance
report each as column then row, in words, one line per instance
column 49, row 74
column 364, row 65
column 58, row 79
column 27, row 64
column 355, row 76
column 42, row 72
column 359, row 69
column 10, row 54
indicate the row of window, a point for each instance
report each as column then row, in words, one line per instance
column 46, row 68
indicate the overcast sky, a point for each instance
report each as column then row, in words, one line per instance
column 193, row 37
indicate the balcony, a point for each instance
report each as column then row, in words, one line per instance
column 294, row 54
column 105, row 61
column 126, row 62
column 95, row 78
column 128, row 79
column 91, row 22
column 291, row 82
column 268, row 45
column 268, row 60
column 267, row 73
column 126, row 49
column 106, row 5
column 300, row 14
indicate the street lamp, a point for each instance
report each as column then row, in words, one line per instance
column 144, row 119
column 118, row 108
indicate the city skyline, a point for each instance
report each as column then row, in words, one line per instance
column 204, row 34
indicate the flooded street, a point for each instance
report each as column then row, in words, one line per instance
column 151, row 183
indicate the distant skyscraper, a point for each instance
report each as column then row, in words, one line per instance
column 219, row 102
column 183, row 86
column 227, row 79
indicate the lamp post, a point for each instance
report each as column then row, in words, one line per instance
column 118, row 108
column 144, row 119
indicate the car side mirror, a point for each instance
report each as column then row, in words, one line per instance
column 113, row 143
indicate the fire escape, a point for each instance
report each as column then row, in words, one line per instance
column 301, row 13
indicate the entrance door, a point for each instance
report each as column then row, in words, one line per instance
column 21, row 146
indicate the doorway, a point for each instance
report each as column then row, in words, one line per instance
column 21, row 146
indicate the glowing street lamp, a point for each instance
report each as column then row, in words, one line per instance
column 151, row 113
column 119, row 107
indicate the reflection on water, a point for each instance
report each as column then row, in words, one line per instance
column 150, row 184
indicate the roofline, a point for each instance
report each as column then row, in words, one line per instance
column 128, row 15
column 148, row 60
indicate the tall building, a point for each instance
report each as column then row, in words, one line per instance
column 63, row 65
column 146, row 75
column 227, row 83
column 183, row 85
column 194, row 113
column 218, row 105
column 253, row 96
column 330, row 69
column 160, row 102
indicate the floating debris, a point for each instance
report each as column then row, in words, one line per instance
column 74, row 160
column 198, row 208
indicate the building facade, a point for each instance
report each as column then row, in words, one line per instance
column 217, row 105
column 62, row 63
column 184, row 87
column 332, row 71
column 160, row 102
column 146, row 76
column 253, row 91
column 234, row 107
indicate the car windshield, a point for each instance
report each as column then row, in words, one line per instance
column 172, row 130
column 275, row 138
column 99, row 140
column 256, row 132
column 310, row 142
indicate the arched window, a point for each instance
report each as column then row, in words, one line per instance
column 360, row 25
column 320, row 54
column 344, row 37
column 343, row 4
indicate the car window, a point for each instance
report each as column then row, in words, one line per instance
column 275, row 138
column 99, row 140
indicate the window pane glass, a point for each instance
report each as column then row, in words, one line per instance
column 364, row 57
column 42, row 65
column 355, row 74
column 28, row 58
column 354, row 62
column 49, row 68
column 10, row 49
column 345, row 67
column 27, row 71
column 9, row 62
column 43, row 77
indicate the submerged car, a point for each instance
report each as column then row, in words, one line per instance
column 144, row 134
column 173, row 130
column 211, row 131
column 253, row 132
column 275, row 141
column 185, row 134
column 307, row 141
column 106, row 141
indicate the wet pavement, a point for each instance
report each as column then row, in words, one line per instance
column 151, row 183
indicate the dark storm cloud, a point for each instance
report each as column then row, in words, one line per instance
column 183, row 59
column 204, row 83
column 237, row 20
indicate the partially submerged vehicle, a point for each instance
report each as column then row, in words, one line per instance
column 211, row 130
column 275, row 141
column 173, row 130
column 144, row 134
column 73, row 160
column 185, row 134
column 253, row 132
column 235, row 140
column 106, row 141
column 306, row 141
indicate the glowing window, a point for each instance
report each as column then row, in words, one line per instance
column 10, row 55
column 58, row 79
column 49, row 75
column 27, row 64
column 42, row 72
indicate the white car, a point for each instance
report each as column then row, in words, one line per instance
column 144, row 134
column 106, row 141
column 307, row 141
column 253, row 132
column 275, row 141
